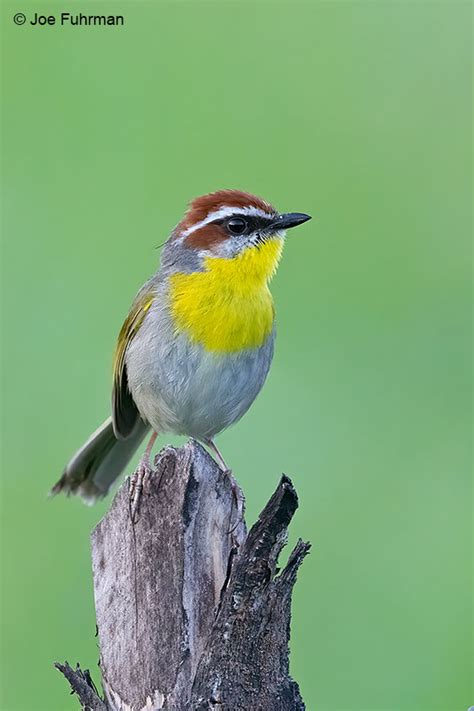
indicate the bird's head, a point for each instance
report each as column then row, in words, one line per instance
column 230, row 225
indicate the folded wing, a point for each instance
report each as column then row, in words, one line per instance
column 125, row 415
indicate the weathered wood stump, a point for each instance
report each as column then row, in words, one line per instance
column 192, row 612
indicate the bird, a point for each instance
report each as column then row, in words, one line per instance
column 197, row 344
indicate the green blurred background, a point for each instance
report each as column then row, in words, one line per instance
column 356, row 112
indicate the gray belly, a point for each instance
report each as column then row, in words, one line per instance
column 179, row 387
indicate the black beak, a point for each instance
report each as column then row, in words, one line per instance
column 290, row 219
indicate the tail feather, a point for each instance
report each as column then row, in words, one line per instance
column 95, row 466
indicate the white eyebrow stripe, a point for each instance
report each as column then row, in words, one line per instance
column 226, row 211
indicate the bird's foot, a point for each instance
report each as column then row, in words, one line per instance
column 137, row 485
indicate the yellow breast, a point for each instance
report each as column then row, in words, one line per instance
column 228, row 307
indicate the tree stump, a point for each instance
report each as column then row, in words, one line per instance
column 192, row 613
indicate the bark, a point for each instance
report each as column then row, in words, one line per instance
column 192, row 612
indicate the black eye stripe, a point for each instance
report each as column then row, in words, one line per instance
column 255, row 222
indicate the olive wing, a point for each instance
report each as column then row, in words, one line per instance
column 125, row 415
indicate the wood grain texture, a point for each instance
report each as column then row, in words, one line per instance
column 191, row 611
column 246, row 662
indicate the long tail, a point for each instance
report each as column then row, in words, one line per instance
column 99, row 461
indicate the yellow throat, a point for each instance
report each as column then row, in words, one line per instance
column 228, row 307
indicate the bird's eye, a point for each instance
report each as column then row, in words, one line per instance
column 236, row 225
